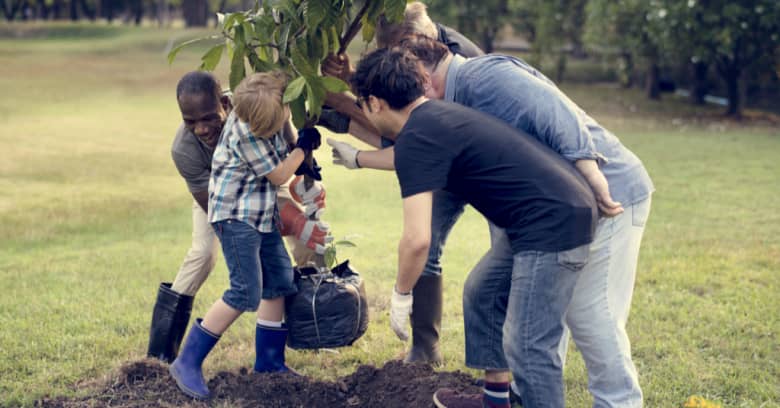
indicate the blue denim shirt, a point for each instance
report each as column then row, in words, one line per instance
column 510, row 89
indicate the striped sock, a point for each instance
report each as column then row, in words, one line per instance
column 496, row 395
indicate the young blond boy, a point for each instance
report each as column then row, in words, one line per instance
column 250, row 161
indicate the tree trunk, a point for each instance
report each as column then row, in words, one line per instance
column 195, row 12
column 74, row 11
column 15, row 5
column 560, row 66
column 626, row 69
column 700, row 86
column 488, row 40
column 138, row 11
column 43, row 10
column 731, row 76
column 651, row 86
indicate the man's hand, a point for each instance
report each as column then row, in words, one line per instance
column 598, row 183
column 312, row 199
column 312, row 233
column 400, row 309
column 344, row 154
column 337, row 66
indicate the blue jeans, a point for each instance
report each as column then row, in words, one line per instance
column 257, row 262
column 447, row 208
column 600, row 306
column 513, row 310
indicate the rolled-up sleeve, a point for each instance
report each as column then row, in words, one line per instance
column 531, row 103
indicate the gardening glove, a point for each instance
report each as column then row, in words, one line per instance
column 308, row 139
column 333, row 120
column 312, row 199
column 312, row 233
column 400, row 309
column 313, row 172
column 344, row 154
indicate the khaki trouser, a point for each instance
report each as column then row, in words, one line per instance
column 201, row 257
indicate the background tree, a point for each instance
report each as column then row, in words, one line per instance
column 734, row 37
column 479, row 20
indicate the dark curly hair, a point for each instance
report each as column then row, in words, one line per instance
column 392, row 74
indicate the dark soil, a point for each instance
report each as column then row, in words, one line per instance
column 146, row 383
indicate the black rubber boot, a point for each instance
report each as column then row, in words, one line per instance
column 426, row 321
column 169, row 322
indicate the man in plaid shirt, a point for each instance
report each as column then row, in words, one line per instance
column 251, row 160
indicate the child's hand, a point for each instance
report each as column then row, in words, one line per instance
column 313, row 172
column 308, row 139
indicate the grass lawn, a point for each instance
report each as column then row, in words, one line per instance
column 93, row 216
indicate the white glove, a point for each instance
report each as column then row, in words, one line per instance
column 344, row 154
column 400, row 309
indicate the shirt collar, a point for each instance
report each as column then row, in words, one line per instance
column 452, row 74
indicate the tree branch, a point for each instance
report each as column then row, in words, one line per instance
column 354, row 28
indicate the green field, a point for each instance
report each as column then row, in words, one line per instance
column 93, row 216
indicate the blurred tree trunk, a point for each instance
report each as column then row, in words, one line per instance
column 108, row 10
column 11, row 8
column 560, row 66
column 163, row 15
column 626, row 69
column 74, row 12
column 195, row 12
column 700, row 85
column 652, row 87
column 43, row 10
column 138, row 11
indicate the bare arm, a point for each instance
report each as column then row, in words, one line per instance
column 383, row 159
column 598, row 183
column 281, row 173
column 415, row 240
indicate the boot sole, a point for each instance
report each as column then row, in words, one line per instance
column 184, row 389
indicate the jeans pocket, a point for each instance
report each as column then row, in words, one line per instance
column 640, row 212
column 574, row 259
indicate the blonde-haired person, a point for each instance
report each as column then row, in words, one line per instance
column 447, row 208
column 250, row 161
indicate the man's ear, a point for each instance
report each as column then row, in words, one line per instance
column 375, row 104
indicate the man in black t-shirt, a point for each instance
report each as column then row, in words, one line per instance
column 542, row 215
column 447, row 207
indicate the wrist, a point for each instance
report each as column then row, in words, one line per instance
column 357, row 161
column 407, row 293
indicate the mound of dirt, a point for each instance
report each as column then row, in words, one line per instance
column 146, row 383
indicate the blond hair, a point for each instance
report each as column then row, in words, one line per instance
column 416, row 21
column 257, row 100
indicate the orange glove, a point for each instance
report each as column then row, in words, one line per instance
column 312, row 199
column 312, row 233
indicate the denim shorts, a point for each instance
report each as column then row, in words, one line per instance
column 258, row 264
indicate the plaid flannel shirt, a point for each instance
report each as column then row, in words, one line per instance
column 238, row 188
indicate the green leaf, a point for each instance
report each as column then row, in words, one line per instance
column 330, row 256
column 315, row 90
column 298, row 111
column 300, row 61
column 345, row 243
column 294, row 89
column 211, row 58
column 237, row 67
column 394, row 10
column 176, row 49
column 258, row 63
column 315, row 11
column 368, row 31
column 334, row 85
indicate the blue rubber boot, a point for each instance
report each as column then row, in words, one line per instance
column 186, row 369
column 269, row 347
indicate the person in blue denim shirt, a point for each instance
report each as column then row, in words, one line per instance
column 510, row 89
column 447, row 207
column 250, row 162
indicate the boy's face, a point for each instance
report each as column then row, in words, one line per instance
column 203, row 116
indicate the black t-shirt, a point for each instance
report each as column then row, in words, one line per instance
column 517, row 183
column 457, row 42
